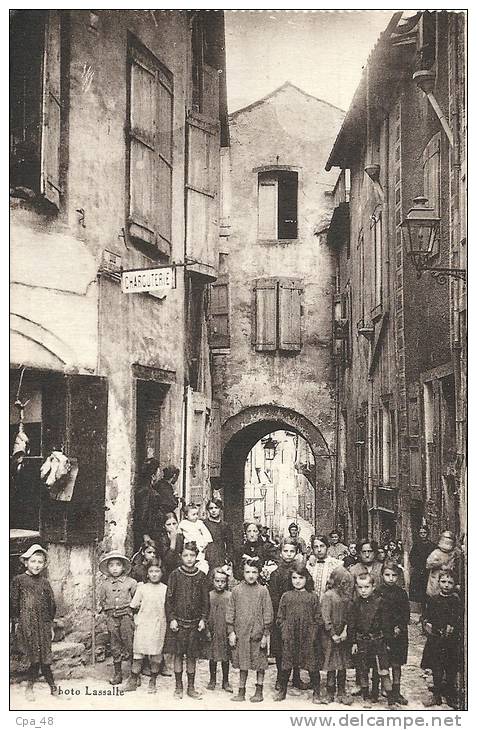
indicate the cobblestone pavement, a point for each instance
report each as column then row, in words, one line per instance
column 414, row 687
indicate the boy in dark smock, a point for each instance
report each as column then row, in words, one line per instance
column 187, row 608
column 365, row 630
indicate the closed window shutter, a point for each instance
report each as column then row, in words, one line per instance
column 51, row 110
column 143, row 181
column 219, row 312
column 265, row 314
column 75, row 416
column 164, row 163
column 267, row 207
column 289, row 322
column 215, row 444
column 432, row 173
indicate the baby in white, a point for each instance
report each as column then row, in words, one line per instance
column 194, row 530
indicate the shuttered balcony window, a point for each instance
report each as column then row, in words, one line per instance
column 278, row 315
column 150, row 151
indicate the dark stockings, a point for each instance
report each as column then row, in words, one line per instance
column 34, row 672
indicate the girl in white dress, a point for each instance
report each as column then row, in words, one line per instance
column 148, row 604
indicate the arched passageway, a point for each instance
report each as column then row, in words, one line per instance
column 243, row 430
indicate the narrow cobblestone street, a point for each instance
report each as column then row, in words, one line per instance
column 414, row 687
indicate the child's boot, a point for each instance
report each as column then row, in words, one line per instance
column 213, row 675
column 179, row 690
column 191, row 691
column 258, row 696
column 225, row 677
column 117, row 677
column 297, row 681
column 282, row 687
column 29, row 694
column 240, row 696
column 342, row 697
column 374, row 689
column 131, row 684
column 366, row 698
column 152, row 684
column 398, row 697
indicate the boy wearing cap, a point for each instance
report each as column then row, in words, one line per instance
column 115, row 595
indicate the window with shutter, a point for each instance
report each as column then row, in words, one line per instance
column 278, row 205
column 266, row 306
column 150, row 150
column 35, row 105
column 432, row 173
column 219, row 322
column 75, row 413
column 278, row 313
column 289, row 319
column 215, row 443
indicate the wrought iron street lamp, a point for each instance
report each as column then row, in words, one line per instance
column 263, row 492
column 270, row 449
column 421, row 232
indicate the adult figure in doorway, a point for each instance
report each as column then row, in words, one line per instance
column 337, row 549
column 368, row 564
column 148, row 519
column 166, row 497
column 294, row 532
column 220, row 551
column 421, row 549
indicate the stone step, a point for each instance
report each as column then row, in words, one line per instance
column 69, row 659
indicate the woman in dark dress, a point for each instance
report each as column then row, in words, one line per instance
column 221, row 551
column 148, row 518
column 420, row 551
column 254, row 549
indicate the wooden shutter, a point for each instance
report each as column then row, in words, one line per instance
column 267, row 207
column 219, row 324
column 164, row 163
column 79, row 409
column 265, row 291
column 432, row 172
column 51, row 110
column 215, row 441
column 203, row 160
column 377, row 233
column 142, row 150
column 210, row 92
column 289, row 318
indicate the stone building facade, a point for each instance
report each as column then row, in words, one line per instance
column 399, row 339
column 271, row 319
column 117, row 122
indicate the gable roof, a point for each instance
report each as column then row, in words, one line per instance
column 287, row 84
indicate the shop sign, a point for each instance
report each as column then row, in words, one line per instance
column 159, row 279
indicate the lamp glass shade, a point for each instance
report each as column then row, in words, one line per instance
column 269, row 449
column 420, row 227
column 263, row 492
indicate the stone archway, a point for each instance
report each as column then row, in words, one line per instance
column 242, row 431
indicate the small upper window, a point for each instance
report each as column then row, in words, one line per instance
column 278, row 205
column 35, row 104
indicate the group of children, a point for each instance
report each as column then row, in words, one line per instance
column 355, row 623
